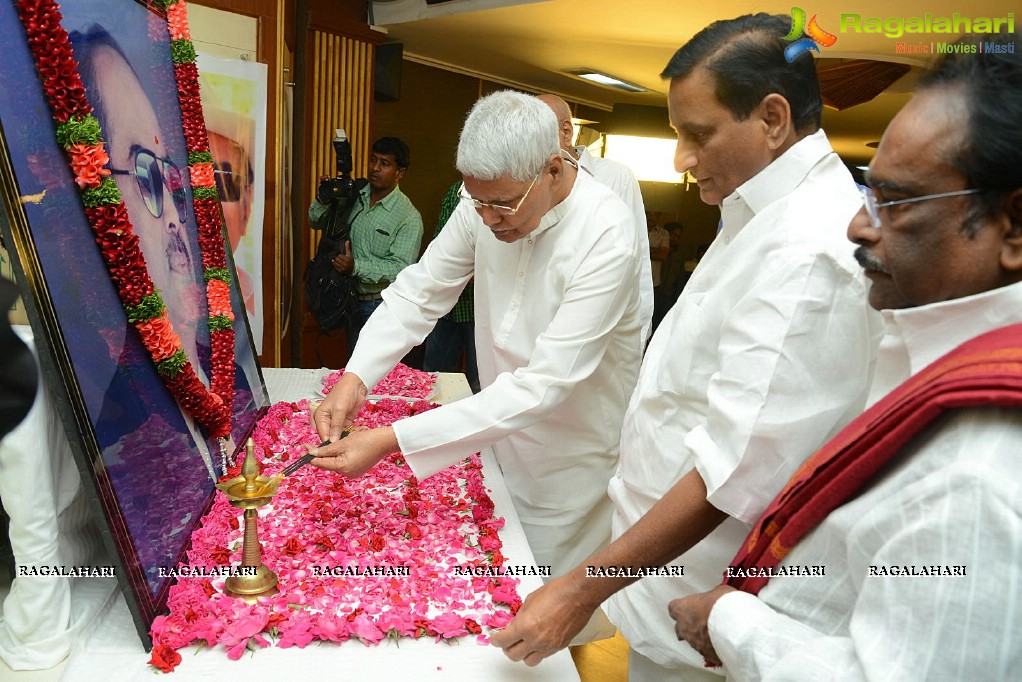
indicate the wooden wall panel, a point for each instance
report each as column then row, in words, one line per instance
column 340, row 95
column 336, row 92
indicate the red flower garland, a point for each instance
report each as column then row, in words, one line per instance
column 79, row 134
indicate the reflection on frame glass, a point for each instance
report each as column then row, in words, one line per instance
column 149, row 466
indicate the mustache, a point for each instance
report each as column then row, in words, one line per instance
column 868, row 261
column 178, row 257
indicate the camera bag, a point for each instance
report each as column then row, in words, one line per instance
column 331, row 296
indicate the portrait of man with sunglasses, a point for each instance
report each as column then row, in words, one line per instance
column 152, row 186
column 235, row 184
column 149, row 165
column 556, row 260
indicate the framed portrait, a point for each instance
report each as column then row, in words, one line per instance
column 234, row 106
column 148, row 466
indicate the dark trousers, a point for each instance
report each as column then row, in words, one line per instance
column 414, row 357
column 366, row 308
column 444, row 346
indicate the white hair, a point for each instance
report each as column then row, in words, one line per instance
column 507, row 134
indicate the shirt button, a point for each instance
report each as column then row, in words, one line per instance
column 617, row 473
column 521, row 274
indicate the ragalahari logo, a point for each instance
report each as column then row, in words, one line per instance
column 814, row 35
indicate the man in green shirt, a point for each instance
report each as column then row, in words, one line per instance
column 386, row 229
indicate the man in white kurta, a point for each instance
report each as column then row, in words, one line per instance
column 745, row 377
column 555, row 314
column 557, row 335
column 620, row 179
column 923, row 563
column 951, row 502
column 747, row 374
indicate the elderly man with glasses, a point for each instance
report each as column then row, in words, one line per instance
column 556, row 262
column 914, row 509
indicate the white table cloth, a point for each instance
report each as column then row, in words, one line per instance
column 106, row 647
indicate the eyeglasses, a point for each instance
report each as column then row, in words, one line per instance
column 229, row 184
column 497, row 208
column 232, row 169
column 873, row 207
column 152, row 173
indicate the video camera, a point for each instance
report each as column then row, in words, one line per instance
column 332, row 295
column 341, row 190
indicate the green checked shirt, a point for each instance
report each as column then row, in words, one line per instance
column 385, row 238
column 462, row 310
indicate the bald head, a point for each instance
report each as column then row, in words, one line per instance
column 562, row 111
column 560, row 108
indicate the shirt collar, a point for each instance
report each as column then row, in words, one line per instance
column 777, row 180
column 555, row 214
column 930, row 331
column 585, row 159
column 784, row 173
column 386, row 202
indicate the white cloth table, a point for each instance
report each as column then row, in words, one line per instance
column 109, row 649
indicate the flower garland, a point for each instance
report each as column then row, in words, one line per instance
column 79, row 134
column 377, row 558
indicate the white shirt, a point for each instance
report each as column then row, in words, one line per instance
column 621, row 180
column 747, row 374
column 658, row 239
column 953, row 498
column 557, row 338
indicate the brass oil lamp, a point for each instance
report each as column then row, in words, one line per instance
column 249, row 492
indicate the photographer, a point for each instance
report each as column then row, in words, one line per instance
column 385, row 228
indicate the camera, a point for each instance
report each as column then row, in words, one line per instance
column 340, row 190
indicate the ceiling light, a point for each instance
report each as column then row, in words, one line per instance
column 650, row 159
column 604, row 79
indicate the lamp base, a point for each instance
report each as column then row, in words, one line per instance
column 262, row 582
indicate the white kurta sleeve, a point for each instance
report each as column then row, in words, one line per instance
column 631, row 194
column 622, row 181
column 902, row 627
column 783, row 385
